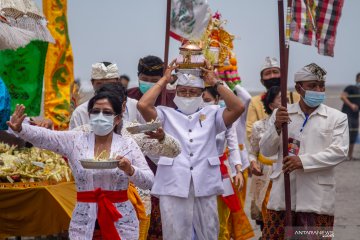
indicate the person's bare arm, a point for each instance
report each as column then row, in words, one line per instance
column 345, row 99
column 146, row 104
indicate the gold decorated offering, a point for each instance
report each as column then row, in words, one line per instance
column 190, row 57
column 32, row 165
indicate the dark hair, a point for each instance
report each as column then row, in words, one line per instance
column 269, row 97
column 151, row 66
column 116, row 88
column 126, row 77
column 212, row 91
column 357, row 76
column 115, row 102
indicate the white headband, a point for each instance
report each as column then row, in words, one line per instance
column 311, row 72
column 100, row 71
column 270, row 63
column 189, row 80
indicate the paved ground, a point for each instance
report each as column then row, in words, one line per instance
column 347, row 206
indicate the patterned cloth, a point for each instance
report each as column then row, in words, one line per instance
column 80, row 145
column 274, row 223
column 316, row 21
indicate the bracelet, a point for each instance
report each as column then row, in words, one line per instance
column 216, row 85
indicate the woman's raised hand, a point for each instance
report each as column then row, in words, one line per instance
column 17, row 118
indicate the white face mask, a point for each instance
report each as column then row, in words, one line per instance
column 188, row 105
column 204, row 104
column 100, row 124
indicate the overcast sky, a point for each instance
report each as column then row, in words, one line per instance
column 123, row 31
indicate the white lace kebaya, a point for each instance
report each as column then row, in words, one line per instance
column 77, row 145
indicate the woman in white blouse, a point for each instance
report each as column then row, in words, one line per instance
column 101, row 194
column 260, row 184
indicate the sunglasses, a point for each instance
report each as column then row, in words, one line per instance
column 105, row 112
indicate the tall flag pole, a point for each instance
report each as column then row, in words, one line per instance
column 284, row 53
column 167, row 43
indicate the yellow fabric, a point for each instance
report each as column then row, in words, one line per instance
column 256, row 111
column 144, row 221
column 235, row 225
column 59, row 72
column 36, row 209
column 266, row 200
column 135, row 199
column 265, row 160
column 144, row 225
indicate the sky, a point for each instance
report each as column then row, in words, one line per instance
column 124, row 31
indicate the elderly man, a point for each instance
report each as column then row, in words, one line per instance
column 188, row 184
column 318, row 141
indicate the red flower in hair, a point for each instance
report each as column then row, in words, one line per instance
column 263, row 97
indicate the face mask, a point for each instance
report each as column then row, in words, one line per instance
column 101, row 125
column 358, row 84
column 313, row 98
column 222, row 103
column 271, row 83
column 145, row 86
column 188, row 105
column 204, row 104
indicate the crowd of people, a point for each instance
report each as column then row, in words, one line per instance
column 187, row 179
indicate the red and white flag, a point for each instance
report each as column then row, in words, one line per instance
column 189, row 19
column 315, row 22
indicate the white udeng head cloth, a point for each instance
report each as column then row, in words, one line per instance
column 189, row 80
column 311, row 72
column 270, row 63
column 100, row 71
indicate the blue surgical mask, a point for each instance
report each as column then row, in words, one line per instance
column 313, row 99
column 145, row 86
column 101, row 125
column 222, row 103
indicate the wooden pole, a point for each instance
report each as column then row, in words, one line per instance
column 284, row 53
column 167, row 43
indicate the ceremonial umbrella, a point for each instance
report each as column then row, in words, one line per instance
column 20, row 22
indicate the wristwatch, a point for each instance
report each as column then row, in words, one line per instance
column 217, row 84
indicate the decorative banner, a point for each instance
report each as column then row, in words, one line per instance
column 4, row 106
column 22, row 71
column 189, row 19
column 316, row 21
column 59, row 73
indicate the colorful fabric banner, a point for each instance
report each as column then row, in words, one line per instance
column 189, row 19
column 59, row 73
column 316, row 21
column 22, row 71
column 4, row 106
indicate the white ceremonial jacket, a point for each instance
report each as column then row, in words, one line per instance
column 199, row 158
column 324, row 144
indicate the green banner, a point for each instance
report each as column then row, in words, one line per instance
column 22, row 70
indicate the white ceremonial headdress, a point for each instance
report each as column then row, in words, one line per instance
column 100, row 71
column 270, row 63
column 189, row 80
column 310, row 72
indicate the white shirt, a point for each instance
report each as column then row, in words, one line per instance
column 199, row 158
column 324, row 143
column 245, row 98
column 229, row 139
